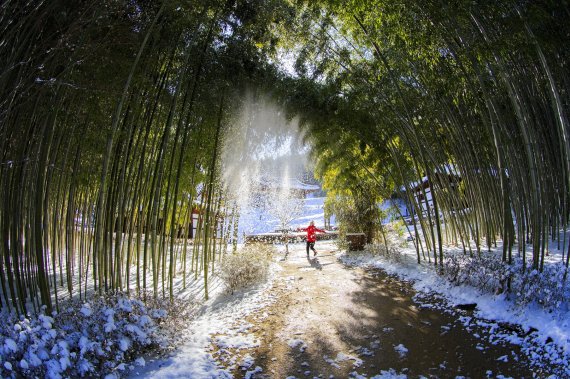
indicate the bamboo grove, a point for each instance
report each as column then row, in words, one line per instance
column 468, row 97
column 113, row 113
column 112, row 118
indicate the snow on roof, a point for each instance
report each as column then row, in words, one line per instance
column 449, row 169
column 297, row 184
column 291, row 183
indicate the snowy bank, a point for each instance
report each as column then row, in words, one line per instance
column 212, row 344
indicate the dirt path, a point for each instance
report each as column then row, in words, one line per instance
column 333, row 321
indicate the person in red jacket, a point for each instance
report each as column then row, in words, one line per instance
column 311, row 236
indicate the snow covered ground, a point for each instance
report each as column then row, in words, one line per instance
column 217, row 344
column 216, row 340
column 544, row 334
column 259, row 220
column 220, row 323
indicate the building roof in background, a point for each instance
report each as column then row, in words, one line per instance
column 291, row 183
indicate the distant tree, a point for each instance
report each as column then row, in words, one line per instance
column 286, row 207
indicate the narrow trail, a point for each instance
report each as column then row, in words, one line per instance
column 330, row 320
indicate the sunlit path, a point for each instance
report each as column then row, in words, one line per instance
column 323, row 319
column 333, row 320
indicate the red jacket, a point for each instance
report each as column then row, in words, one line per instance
column 311, row 232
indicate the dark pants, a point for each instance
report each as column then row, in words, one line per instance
column 310, row 245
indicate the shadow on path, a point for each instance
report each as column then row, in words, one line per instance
column 330, row 320
column 314, row 262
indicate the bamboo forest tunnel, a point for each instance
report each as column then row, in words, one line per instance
column 113, row 116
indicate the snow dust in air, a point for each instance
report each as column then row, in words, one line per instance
column 262, row 158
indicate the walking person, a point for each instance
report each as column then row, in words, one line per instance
column 311, row 236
